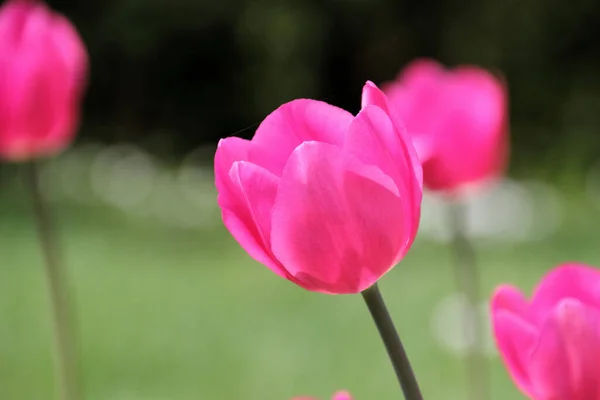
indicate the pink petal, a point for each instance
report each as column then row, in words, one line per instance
column 337, row 396
column 335, row 220
column 372, row 96
column 509, row 298
column 246, row 205
column 229, row 150
column 258, row 188
column 424, row 143
column 397, row 104
column 40, row 88
column 578, row 281
column 294, row 123
column 487, row 107
column 516, row 339
column 564, row 366
column 249, row 239
column 415, row 96
column 471, row 139
column 27, row 83
column 71, row 51
column 374, row 140
column 13, row 15
column 421, row 71
column 342, row 396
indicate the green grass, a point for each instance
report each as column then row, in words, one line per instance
column 176, row 314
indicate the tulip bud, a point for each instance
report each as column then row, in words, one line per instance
column 43, row 67
column 458, row 120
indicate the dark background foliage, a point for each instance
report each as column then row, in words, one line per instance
column 175, row 74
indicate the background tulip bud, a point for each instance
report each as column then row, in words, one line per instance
column 457, row 120
column 43, row 66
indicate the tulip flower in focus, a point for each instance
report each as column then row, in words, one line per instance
column 325, row 199
column 458, row 121
column 337, row 396
column 551, row 343
column 43, row 66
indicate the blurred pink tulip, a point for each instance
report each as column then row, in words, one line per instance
column 324, row 199
column 43, row 66
column 551, row 344
column 337, row 396
column 457, row 119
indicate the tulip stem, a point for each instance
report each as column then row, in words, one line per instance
column 392, row 342
column 64, row 344
column 468, row 283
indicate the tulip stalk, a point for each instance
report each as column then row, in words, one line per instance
column 469, row 284
column 64, row 343
column 393, row 344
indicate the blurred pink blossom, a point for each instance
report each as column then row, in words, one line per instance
column 458, row 120
column 43, row 67
column 551, row 343
column 337, row 396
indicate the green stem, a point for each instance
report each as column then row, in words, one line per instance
column 393, row 344
column 64, row 343
column 468, row 283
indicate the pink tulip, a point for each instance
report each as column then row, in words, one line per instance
column 551, row 344
column 337, row 396
column 324, row 199
column 457, row 119
column 43, row 65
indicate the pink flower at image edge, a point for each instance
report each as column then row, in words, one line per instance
column 43, row 72
column 551, row 343
column 337, row 396
column 458, row 119
column 325, row 199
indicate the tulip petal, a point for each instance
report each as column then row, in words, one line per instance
column 259, row 188
column 342, row 396
column 57, row 84
column 416, row 95
column 509, row 298
column 421, row 71
column 13, row 15
column 472, row 108
column 43, row 87
column 336, row 220
column 229, row 150
column 564, row 365
column 578, row 281
column 70, row 47
column 32, row 80
column 246, row 205
column 516, row 339
column 249, row 239
column 293, row 123
column 483, row 108
column 405, row 145
column 374, row 140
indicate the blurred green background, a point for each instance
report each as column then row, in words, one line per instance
column 170, row 308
